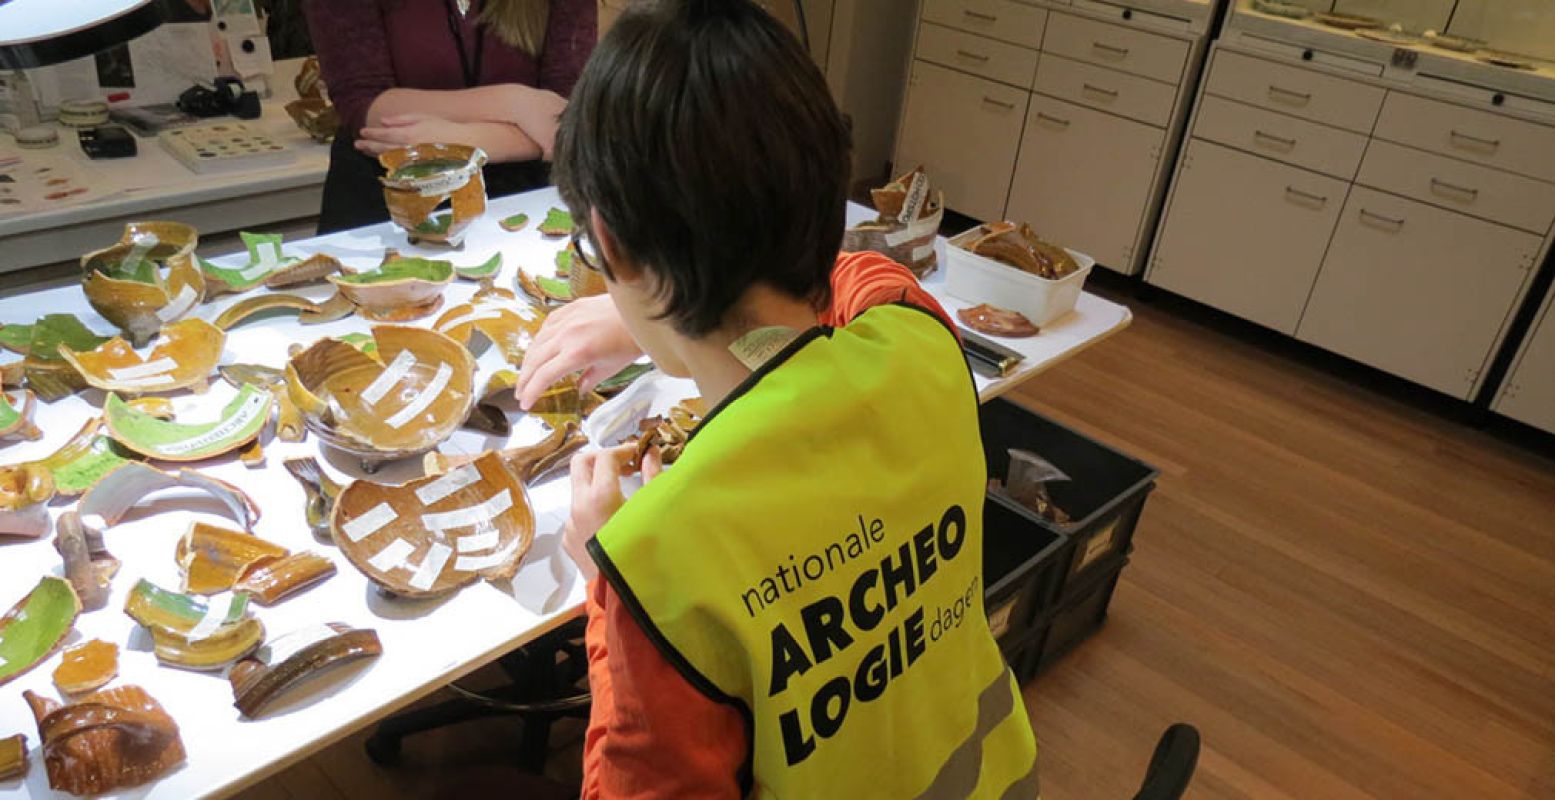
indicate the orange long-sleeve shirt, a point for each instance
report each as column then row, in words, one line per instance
column 651, row 734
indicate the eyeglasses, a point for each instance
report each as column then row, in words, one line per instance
column 583, row 246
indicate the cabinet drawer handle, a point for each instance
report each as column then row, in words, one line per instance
column 980, row 15
column 1000, row 103
column 1396, row 223
column 1055, row 120
column 971, row 55
column 1300, row 98
column 1090, row 87
column 1315, row 198
column 1489, row 144
column 1120, row 52
column 1289, row 144
column 1440, row 186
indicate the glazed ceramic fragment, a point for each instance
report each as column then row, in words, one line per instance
column 563, row 403
column 403, row 400
column 503, row 319
column 88, row 565
column 87, row 667
column 995, row 321
column 212, row 558
column 36, row 626
column 185, row 354
column 125, row 283
column 312, row 110
column 557, row 222
column 543, row 289
column 910, row 212
column 436, row 534
column 295, row 657
column 253, row 456
column 530, row 463
column 669, row 433
column 486, row 270
column 618, row 382
column 1018, row 246
column 85, row 459
column 119, row 491
column 13, row 757
column 159, row 407
column 288, row 420
column 321, row 493
column 48, row 373
column 336, row 307
column 15, row 337
column 582, row 280
column 270, row 582
column 25, row 490
column 422, row 177
column 264, row 258
column 398, row 290
column 16, row 416
column 193, row 632
column 110, row 739
column 239, row 423
column 514, row 223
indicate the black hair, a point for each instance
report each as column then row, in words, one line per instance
column 706, row 139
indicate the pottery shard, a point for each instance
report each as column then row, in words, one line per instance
column 86, row 667
column 108, row 740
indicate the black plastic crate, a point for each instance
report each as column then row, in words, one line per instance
column 1076, row 619
column 1104, row 497
column 1023, row 566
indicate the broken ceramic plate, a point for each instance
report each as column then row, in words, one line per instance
column 48, row 373
column 398, row 290
column 338, row 306
column 16, row 409
column 36, row 626
column 293, row 658
column 195, row 632
column 25, row 490
column 88, row 565
column 503, row 319
column 185, row 354
column 403, row 400
column 121, row 490
column 212, row 558
column 111, row 739
column 240, row 423
column 436, row 534
column 422, row 177
column 87, row 667
column 85, row 459
column 486, row 270
column 266, row 266
column 557, row 222
column 125, row 282
column 269, row 582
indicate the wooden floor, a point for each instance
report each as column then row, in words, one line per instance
column 1348, row 595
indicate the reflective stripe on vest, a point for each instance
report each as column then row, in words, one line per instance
column 814, row 558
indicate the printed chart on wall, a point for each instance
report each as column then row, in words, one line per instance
column 32, row 183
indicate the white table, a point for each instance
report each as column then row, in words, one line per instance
column 427, row 643
column 166, row 189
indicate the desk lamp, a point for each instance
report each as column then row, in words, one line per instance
column 37, row 33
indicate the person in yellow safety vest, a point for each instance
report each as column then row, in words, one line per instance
column 811, row 565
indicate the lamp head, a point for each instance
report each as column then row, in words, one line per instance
column 37, row 33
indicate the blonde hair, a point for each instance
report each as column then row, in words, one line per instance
column 518, row 23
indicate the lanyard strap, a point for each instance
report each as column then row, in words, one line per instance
column 471, row 72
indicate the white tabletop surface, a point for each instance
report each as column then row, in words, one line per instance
column 426, row 643
column 155, row 180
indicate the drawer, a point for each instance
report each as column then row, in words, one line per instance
column 965, row 131
column 1293, row 90
column 1295, row 141
column 1479, row 191
column 1106, row 89
column 1138, row 52
column 1005, row 20
column 1005, row 63
column 1526, row 148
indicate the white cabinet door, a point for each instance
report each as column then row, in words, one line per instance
column 1083, row 179
column 964, row 130
column 1245, row 234
column 1417, row 291
column 1529, row 392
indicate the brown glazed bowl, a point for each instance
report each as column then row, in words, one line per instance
column 421, row 177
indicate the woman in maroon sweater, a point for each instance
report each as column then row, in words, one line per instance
column 490, row 73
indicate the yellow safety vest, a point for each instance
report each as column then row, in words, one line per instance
column 814, row 559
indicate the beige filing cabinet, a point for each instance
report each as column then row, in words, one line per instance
column 1391, row 210
column 1060, row 114
column 1528, row 394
